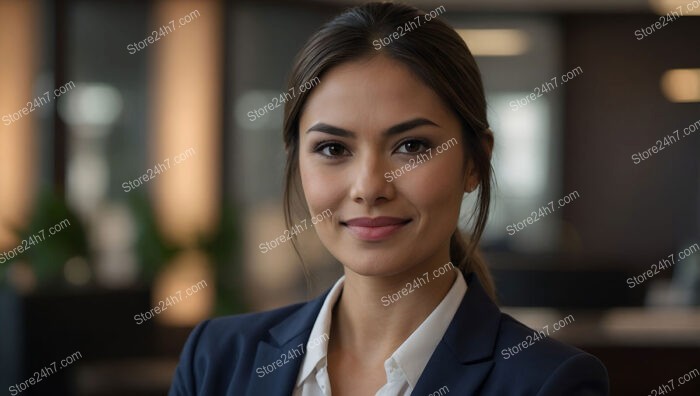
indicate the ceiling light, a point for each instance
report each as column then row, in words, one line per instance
column 681, row 85
column 676, row 7
column 495, row 42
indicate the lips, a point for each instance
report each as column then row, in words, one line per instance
column 375, row 229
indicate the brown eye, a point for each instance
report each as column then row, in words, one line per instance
column 412, row 146
column 331, row 150
column 335, row 149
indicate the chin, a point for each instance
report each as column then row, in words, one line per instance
column 369, row 263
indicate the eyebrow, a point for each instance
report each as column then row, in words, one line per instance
column 394, row 130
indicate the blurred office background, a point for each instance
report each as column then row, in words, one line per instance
column 108, row 106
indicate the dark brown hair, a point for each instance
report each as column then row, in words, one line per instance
column 439, row 57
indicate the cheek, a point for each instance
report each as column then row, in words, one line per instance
column 439, row 203
column 437, row 184
column 320, row 188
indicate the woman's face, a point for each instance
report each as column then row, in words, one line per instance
column 369, row 138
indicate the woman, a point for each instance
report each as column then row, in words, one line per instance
column 390, row 140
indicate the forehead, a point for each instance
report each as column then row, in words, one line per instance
column 371, row 94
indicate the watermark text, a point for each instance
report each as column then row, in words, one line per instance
column 665, row 20
column 162, row 32
column 420, row 158
column 666, row 141
column 290, row 355
column 32, row 240
column 45, row 372
column 37, row 102
column 537, row 214
column 546, row 87
column 663, row 264
column 283, row 97
column 171, row 301
column 157, row 169
column 537, row 335
column 670, row 385
column 416, row 284
column 407, row 27
column 287, row 235
column 440, row 392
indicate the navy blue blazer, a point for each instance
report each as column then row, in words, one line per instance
column 482, row 353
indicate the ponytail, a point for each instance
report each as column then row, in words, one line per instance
column 468, row 259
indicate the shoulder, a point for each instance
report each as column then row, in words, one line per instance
column 239, row 328
column 516, row 359
column 544, row 365
column 221, row 351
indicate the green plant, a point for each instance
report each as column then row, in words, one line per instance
column 45, row 251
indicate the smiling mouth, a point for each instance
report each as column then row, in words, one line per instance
column 375, row 229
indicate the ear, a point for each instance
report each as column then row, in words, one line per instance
column 472, row 177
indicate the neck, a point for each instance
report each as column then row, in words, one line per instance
column 375, row 315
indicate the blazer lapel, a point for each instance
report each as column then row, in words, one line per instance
column 461, row 361
column 464, row 356
column 276, row 367
column 278, row 358
column 444, row 370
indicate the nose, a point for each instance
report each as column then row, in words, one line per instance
column 370, row 187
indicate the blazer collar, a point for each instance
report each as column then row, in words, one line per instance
column 284, row 344
column 474, row 328
column 461, row 360
column 464, row 357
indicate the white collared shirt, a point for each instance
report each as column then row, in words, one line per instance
column 403, row 368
